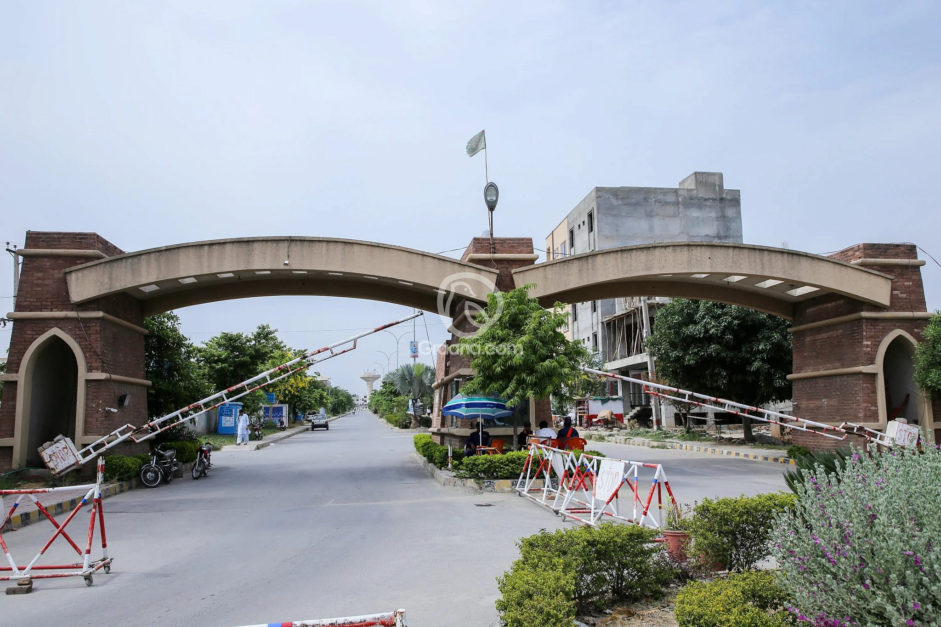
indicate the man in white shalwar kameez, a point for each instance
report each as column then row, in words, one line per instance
column 242, row 429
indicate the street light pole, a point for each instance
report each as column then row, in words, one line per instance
column 11, row 248
column 397, row 339
column 491, row 196
column 388, row 357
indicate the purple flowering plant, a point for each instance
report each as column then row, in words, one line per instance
column 863, row 545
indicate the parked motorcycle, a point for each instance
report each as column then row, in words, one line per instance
column 254, row 429
column 161, row 467
column 202, row 464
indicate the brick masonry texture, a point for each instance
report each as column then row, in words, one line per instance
column 106, row 347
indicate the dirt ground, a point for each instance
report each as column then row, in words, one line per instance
column 649, row 613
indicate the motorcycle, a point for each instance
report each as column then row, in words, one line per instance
column 255, row 430
column 202, row 464
column 161, row 467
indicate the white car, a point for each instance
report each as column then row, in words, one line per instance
column 318, row 421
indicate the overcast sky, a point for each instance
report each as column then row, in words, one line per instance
column 157, row 123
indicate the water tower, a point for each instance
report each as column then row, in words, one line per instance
column 370, row 377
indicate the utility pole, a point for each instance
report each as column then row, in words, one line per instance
column 651, row 364
column 11, row 248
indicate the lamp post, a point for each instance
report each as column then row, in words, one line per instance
column 397, row 339
column 491, row 196
column 388, row 357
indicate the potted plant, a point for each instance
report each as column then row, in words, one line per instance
column 676, row 532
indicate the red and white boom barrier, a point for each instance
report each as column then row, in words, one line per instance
column 835, row 432
column 388, row 619
column 25, row 573
column 593, row 489
column 61, row 455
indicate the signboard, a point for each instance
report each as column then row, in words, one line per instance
column 275, row 413
column 610, row 476
column 903, row 433
column 413, row 349
column 60, row 455
column 270, row 398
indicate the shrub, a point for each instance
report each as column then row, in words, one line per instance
column 751, row 599
column 734, row 532
column 861, row 545
column 121, row 468
column 506, row 466
column 436, row 454
column 796, row 452
column 185, row 450
column 537, row 594
column 603, row 565
column 828, row 460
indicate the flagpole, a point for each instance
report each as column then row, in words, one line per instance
column 486, row 169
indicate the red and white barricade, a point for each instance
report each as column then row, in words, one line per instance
column 592, row 489
column 85, row 568
column 388, row 619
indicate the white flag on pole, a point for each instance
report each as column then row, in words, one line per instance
column 477, row 143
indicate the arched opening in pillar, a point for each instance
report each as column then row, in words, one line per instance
column 52, row 389
column 901, row 396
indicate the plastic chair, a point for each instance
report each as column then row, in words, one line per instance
column 573, row 444
column 497, row 444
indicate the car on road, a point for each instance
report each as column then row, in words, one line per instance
column 318, row 421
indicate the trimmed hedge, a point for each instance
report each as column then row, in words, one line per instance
column 506, row 466
column 121, row 468
column 590, row 569
column 733, row 533
column 436, row 454
column 185, row 450
column 751, row 599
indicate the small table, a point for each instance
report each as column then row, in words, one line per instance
column 487, row 450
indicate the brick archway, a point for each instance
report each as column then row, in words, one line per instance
column 843, row 307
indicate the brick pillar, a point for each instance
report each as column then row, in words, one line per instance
column 507, row 254
column 105, row 337
column 837, row 375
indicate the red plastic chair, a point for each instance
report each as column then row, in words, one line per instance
column 575, row 444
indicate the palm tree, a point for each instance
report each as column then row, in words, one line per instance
column 414, row 381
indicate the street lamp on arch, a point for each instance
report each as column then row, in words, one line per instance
column 491, row 196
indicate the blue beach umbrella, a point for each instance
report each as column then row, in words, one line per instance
column 480, row 407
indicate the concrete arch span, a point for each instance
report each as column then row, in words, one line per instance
column 767, row 279
column 166, row 278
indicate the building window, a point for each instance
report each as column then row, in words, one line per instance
column 563, row 249
column 594, row 306
column 591, row 221
column 594, row 342
column 574, row 313
column 572, row 241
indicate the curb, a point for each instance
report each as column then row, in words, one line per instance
column 723, row 452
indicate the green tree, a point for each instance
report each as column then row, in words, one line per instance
column 171, row 366
column 521, row 352
column 339, row 400
column 723, row 350
column 229, row 358
column 414, row 381
column 928, row 357
column 382, row 400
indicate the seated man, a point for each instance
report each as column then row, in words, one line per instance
column 544, row 432
column 567, row 431
column 522, row 438
column 477, row 437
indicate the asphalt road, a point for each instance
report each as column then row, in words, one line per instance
column 327, row 523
